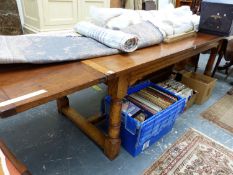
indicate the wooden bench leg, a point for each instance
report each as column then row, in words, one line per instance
column 213, row 54
column 222, row 49
column 210, row 62
column 117, row 89
column 14, row 166
column 217, row 64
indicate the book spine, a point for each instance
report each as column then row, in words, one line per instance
column 154, row 99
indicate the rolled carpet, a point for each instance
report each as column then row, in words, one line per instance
column 112, row 38
column 38, row 49
column 146, row 32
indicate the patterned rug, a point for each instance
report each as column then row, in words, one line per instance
column 194, row 154
column 221, row 113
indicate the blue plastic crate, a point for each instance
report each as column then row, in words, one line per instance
column 137, row 136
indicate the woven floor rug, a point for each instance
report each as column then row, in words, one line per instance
column 194, row 154
column 221, row 113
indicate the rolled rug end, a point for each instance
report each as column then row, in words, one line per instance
column 130, row 44
column 112, row 38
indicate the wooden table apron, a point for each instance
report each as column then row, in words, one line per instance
column 117, row 71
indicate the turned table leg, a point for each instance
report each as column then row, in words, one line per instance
column 117, row 90
column 62, row 103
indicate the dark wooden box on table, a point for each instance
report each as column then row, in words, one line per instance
column 217, row 17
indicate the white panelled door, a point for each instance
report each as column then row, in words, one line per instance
column 60, row 12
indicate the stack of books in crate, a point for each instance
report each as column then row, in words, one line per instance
column 148, row 100
column 177, row 88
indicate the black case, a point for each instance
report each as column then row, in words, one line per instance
column 217, row 17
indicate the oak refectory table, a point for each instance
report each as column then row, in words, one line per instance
column 23, row 87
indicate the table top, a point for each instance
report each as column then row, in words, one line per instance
column 121, row 63
column 25, row 86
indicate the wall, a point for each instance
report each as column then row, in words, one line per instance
column 9, row 18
